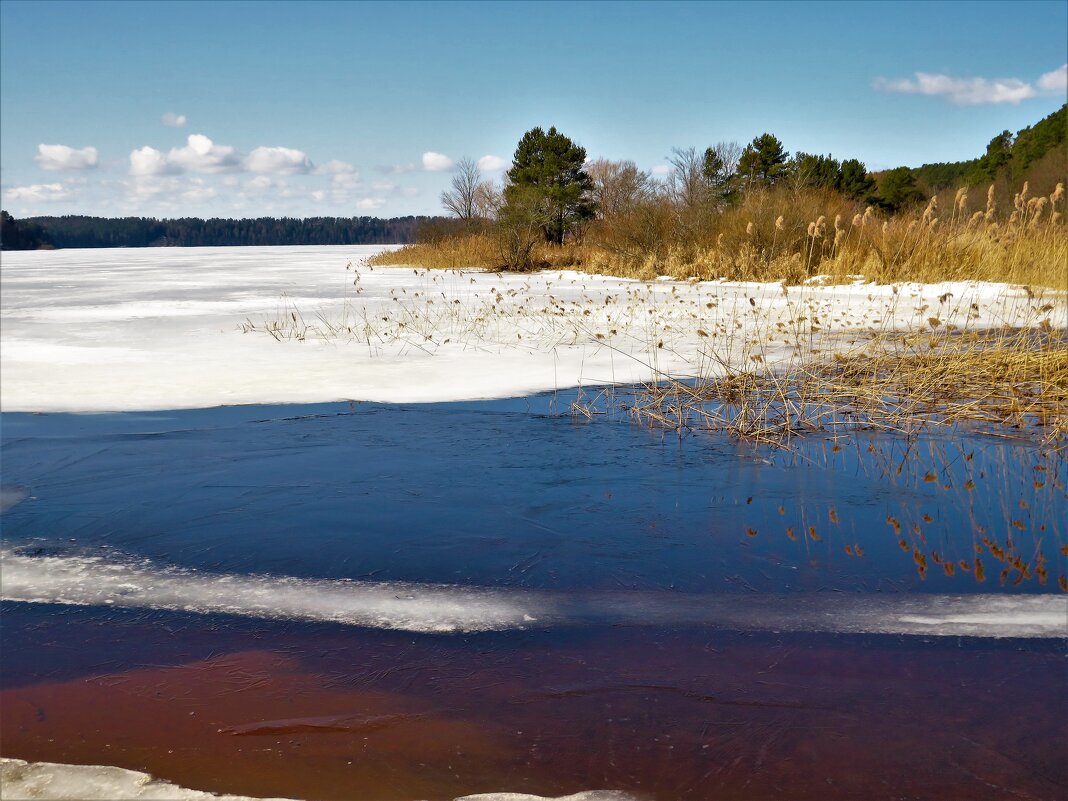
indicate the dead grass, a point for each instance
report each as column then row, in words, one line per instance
column 790, row 237
column 1012, row 381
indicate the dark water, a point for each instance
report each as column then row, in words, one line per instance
column 512, row 497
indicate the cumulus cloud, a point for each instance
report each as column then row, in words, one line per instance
column 38, row 192
column 335, row 167
column 61, row 157
column 279, row 160
column 261, row 183
column 661, row 169
column 1056, row 81
column 490, row 163
column 344, row 181
column 396, row 169
column 436, row 162
column 370, row 203
column 172, row 120
column 168, row 191
column 961, row 91
column 200, row 154
column 149, row 161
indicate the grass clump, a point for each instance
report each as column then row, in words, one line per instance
column 1011, row 381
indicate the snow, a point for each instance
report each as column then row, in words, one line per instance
column 161, row 328
column 52, row 781
column 57, row 782
column 442, row 609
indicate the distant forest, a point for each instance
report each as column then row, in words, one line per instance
column 74, row 231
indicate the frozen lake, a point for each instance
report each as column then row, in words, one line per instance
column 162, row 328
column 424, row 600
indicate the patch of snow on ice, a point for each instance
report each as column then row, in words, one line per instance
column 437, row 608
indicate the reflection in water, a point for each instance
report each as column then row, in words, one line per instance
column 371, row 602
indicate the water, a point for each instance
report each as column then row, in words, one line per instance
column 398, row 602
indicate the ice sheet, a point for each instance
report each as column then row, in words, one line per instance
column 161, row 328
column 441, row 608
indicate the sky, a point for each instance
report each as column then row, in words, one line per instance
column 243, row 109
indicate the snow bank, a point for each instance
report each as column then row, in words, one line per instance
column 162, row 328
column 52, row 781
column 429, row 608
column 56, row 782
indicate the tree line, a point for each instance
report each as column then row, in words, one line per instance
column 76, row 231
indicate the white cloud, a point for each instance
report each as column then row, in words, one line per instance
column 661, row 169
column 279, row 160
column 202, row 155
column 962, row 91
column 370, row 203
column 396, row 168
column 345, row 180
column 61, row 157
column 196, row 190
column 38, row 192
column 490, row 163
column 383, row 186
column 260, row 183
column 334, row 167
column 1056, row 81
column 149, row 186
column 436, row 162
column 167, row 191
column 149, row 161
column 172, row 120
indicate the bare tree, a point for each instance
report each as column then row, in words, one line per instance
column 489, row 198
column 618, row 186
column 729, row 154
column 462, row 199
column 686, row 185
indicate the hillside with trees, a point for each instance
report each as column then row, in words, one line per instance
column 1008, row 157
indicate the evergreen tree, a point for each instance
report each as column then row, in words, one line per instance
column 898, row 189
column 856, row 182
column 720, row 170
column 818, row 172
column 549, row 167
column 763, row 160
column 998, row 154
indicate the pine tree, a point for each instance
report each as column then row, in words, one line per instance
column 549, row 168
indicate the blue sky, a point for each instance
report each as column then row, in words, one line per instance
column 252, row 108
